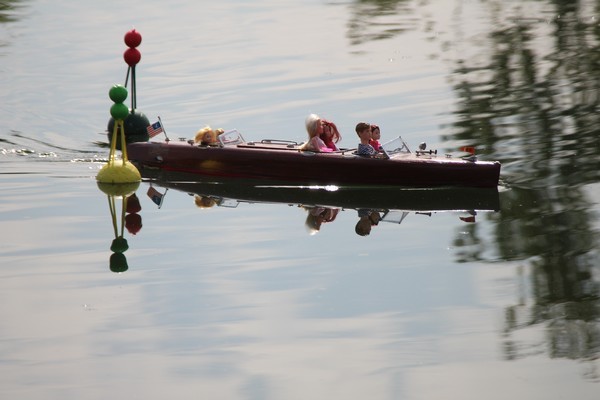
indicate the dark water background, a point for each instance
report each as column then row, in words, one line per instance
column 243, row 302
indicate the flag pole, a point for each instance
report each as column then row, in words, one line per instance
column 164, row 130
column 163, row 198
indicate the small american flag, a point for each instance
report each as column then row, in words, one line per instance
column 154, row 129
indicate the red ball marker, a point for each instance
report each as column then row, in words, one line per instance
column 133, row 38
column 132, row 56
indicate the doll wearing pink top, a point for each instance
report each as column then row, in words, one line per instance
column 322, row 135
column 375, row 136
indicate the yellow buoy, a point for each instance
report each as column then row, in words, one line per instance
column 118, row 171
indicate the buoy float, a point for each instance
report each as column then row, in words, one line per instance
column 118, row 171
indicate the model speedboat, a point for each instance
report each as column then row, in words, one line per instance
column 278, row 161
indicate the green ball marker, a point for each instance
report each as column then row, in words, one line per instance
column 119, row 111
column 118, row 263
column 118, row 93
column 119, row 245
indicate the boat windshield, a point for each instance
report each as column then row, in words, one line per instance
column 394, row 216
column 395, row 146
column 231, row 138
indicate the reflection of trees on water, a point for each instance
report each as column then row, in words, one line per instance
column 8, row 13
column 536, row 111
column 378, row 19
column 532, row 104
column 8, row 9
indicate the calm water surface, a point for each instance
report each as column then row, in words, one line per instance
column 246, row 302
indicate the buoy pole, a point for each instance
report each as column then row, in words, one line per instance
column 133, row 90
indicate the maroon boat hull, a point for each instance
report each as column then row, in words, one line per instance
column 281, row 164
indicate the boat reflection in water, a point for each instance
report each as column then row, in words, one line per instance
column 356, row 197
column 373, row 204
column 322, row 204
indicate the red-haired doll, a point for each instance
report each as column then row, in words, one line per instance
column 322, row 135
column 375, row 136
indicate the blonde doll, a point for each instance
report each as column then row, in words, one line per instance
column 207, row 136
column 322, row 135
